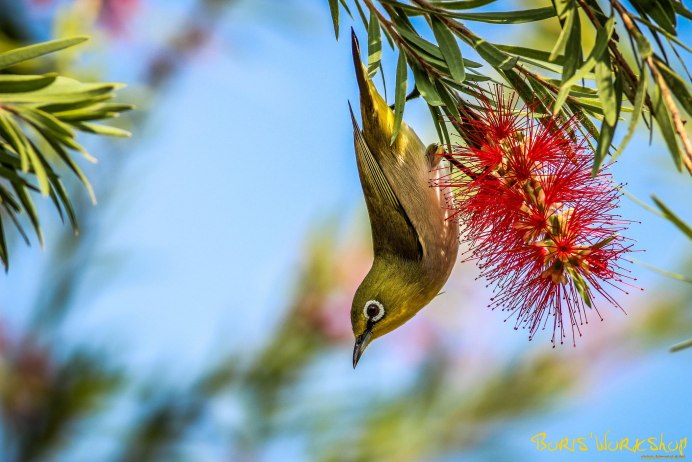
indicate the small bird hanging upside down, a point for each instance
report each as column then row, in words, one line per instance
column 415, row 242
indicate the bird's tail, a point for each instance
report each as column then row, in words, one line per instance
column 377, row 116
column 361, row 72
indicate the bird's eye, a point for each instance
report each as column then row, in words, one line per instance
column 373, row 310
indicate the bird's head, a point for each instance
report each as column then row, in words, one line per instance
column 387, row 298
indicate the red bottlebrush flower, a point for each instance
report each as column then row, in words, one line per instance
column 541, row 228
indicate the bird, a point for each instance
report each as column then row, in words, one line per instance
column 415, row 237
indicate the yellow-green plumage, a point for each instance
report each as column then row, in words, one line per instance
column 415, row 245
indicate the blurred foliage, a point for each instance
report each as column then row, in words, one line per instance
column 44, row 397
column 55, row 394
column 39, row 115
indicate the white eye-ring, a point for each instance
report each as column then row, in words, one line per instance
column 373, row 310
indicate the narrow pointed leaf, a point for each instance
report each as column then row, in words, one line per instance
column 665, row 123
column 450, row 105
column 661, row 11
column 440, row 126
column 605, row 139
column 462, row 5
column 506, row 17
column 636, row 112
column 682, row 10
column 573, row 51
column 10, row 83
column 374, row 45
column 102, row 129
column 3, row 248
column 18, row 55
column 672, row 217
column 345, row 5
column 425, row 86
column 493, row 55
column 399, row 93
column 606, row 92
column 362, row 15
column 564, row 35
column 670, row 274
column 677, row 85
column 450, row 49
column 531, row 53
column 334, row 9
column 681, row 346
column 600, row 47
column 30, row 210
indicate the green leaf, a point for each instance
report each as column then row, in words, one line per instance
column 681, row 346
column 102, row 129
column 682, row 10
column 603, row 243
column 563, row 8
column 72, row 165
column 18, row 55
column 450, row 49
column 661, row 11
column 63, row 91
column 670, row 274
column 65, row 199
column 425, row 86
column 665, row 123
column 605, row 139
column 384, row 81
column 440, row 126
column 673, row 218
column 462, row 5
column 564, row 34
column 580, row 285
column 539, row 55
column 643, row 44
column 399, row 94
column 31, row 158
column 334, row 8
column 3, row 248
column 604, row 83
column 30, row 209
column 374, row 45
column 40, row 119
column 493, row 55
column 573, row 50
column 429, row 48
column 450, row 104
column 636, row 113
column 14, row 136
column 361, row 13
column 506, row 17
column 345, row 6
column 600, row 47
column 677, row 85
column 10, row 83
column 654, row 28
column 523, row 89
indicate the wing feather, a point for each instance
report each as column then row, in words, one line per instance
column 392, row 230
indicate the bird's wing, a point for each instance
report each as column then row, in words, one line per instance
column 392, row 230
column 405, row 168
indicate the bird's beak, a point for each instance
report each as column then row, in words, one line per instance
column 362, row 342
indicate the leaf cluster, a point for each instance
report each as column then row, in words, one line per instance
column 549, row 80
column 40, row 116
